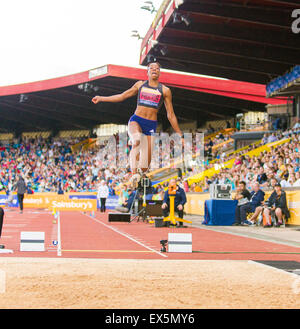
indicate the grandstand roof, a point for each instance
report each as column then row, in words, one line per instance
column 65, row 102
column 246, row 40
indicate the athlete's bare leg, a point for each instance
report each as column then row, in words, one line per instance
column 142, row 148
column 147, row 143
column 135, row 133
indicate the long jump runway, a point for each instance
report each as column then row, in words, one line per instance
column 84, row 236
column 119, row 265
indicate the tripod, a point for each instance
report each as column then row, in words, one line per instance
column 145, row 182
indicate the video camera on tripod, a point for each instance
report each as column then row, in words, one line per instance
column 144, row 185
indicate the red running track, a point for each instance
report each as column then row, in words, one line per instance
column 83, row 236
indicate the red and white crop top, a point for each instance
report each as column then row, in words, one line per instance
column 150, row 96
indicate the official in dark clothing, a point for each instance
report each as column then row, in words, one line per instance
column 1, row 224
column 270, row 202
column 179, row 202
column 257, row 197
column 21, row 190
column 272, row 197
column 278, row 206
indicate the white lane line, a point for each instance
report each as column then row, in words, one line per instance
column 58, row 235
column 14, row 225
column 280, row 270
column 126, row 236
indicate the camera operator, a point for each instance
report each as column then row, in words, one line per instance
column 180, row 200
column 126, row 206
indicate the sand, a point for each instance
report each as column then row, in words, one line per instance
column 32, row 283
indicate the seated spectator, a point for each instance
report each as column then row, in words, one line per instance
column 272, row 138
column 284, row 182
column 291, row 180
column 261, row 177
column 281, row 167
column 297, row 177
column 277, row 206
column 243, row 196
column 255, row 204
column 265, row 139
column 237, row 163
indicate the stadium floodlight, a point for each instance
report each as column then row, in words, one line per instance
column 146, row 8
column 179, row 18
column 186, row 20
column 135, row 34
column 178, row 3
column 164, row 50
column 150, row 58
column 148, row 5
column 23, row 98
column 176, row 18
column 154, row 43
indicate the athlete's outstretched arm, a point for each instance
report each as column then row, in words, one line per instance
column 119, row 97
column 170, row 111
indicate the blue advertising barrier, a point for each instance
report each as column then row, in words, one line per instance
column 13, row 203
column 111, row 201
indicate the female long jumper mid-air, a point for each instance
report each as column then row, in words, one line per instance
column 143, row 123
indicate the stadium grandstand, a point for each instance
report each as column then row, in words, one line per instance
column 53, row 134
column 223, row 40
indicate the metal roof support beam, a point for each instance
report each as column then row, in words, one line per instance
column 283, row 39
column 231, row 61
column 268, row 16
column 57, row 117
column 262, row 53
column 58, row 107
column 121, row 112
column 15, row 115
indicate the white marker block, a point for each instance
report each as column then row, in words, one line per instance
column 6, row 251
column 180, row 242
column 32, row 241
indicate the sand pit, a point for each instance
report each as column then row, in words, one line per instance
column 97, row 283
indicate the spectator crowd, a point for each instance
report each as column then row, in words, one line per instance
column 281, row 162
column 49, row 165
